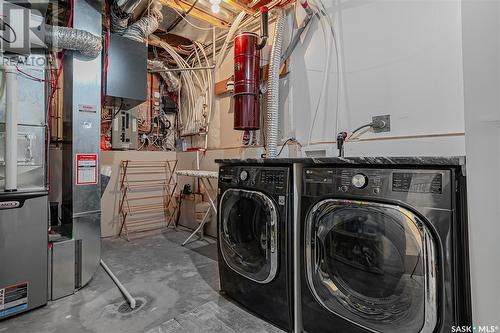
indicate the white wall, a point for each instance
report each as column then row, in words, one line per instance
column 481, row 51
column 401, row 58
column 110, row 200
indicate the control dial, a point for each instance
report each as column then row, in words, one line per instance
column 244, row 175
column 359, row 180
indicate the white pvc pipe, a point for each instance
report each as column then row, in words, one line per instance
column 11, row 129
column 130, row 299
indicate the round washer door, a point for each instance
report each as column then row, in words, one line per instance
column 372, row 264
column 248, row 234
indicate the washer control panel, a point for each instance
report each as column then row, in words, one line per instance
column 273, row 179
column 425, row 187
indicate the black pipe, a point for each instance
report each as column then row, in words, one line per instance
column 264, row 26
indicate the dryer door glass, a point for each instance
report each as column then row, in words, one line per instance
column 248, row 234
column 373, row 265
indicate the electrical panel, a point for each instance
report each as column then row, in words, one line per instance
column 124, row 134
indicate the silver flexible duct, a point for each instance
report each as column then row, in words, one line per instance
column 141, row 29
column 118, row 19
column 73, row 39
column 122, row 11
column 173, row 82
column 129, row 6
column 274, row 87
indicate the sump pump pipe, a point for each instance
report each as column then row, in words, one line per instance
column 11, row 111
column 273, row 88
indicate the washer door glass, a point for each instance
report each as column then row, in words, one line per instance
column 248, row 234
column 373, row 265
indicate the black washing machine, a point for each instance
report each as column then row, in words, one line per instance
column 383, row 250
column 254, row 240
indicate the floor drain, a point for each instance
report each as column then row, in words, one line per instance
column 125, row 308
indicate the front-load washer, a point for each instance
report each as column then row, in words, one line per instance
column 383, row 249
column 254, row 240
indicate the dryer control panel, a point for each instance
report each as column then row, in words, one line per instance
column 418, row 187
column 272, row 179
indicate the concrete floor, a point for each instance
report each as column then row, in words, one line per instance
column 178, row 286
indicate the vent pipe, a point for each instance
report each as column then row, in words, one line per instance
column 11, row 129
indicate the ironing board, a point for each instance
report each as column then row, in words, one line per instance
column 204, row 177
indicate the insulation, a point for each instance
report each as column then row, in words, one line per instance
column 74, row 39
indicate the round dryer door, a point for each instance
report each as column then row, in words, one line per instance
column 248, row 234
column 373, row 265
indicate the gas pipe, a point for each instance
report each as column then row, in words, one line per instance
column 247, row 46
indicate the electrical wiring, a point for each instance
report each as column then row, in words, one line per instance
column 190, row 23
column 284, row 144
column 13, row 32
column 179, row 18
column 351, row 137
column 229, row 38
column 31, row 77
column 197, row 86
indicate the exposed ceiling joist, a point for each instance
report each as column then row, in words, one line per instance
column 182, row 5
column 156, row 41
column 240, row 5
column 261, row 3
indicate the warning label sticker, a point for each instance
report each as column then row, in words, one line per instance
column 86, row 169
column 13, row 299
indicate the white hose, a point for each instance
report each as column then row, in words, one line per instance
column 229, row 38
column 11, row 111
column 273, row 88
column 130, row 299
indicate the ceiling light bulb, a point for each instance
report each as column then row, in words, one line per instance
column 215, row 8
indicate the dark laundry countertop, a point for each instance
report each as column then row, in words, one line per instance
column 448, row 161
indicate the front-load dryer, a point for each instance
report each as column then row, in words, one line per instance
column 383, row 250
column 254, row 240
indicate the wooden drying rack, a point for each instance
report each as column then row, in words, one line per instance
column 139, row 212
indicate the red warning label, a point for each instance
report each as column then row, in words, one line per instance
column 13, row 299
column 86, row 169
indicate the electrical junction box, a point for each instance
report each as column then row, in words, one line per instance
column 125, row 133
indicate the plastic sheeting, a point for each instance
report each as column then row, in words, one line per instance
column 74, row 39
